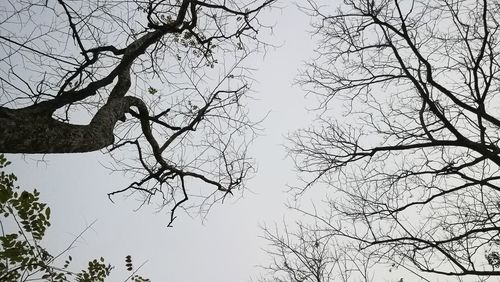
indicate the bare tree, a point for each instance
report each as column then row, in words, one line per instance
column 309, row 253
column 408, row 132
column 160, row 79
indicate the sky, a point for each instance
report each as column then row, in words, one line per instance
column 224, row 246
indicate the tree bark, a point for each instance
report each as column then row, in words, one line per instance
column 22, row 131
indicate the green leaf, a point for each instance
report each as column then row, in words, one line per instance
column 47, row 213
column 152, row 90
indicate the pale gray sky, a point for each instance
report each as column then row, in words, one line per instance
column 226, row 247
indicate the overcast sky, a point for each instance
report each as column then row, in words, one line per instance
column 224, row 247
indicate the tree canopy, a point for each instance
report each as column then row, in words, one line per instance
column 412, row 158
column 161, row 85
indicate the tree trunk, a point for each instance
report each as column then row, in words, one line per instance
column 23, row 131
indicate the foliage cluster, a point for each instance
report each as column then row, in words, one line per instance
column 23, row 226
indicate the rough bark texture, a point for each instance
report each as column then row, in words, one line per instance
column 25, row 132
